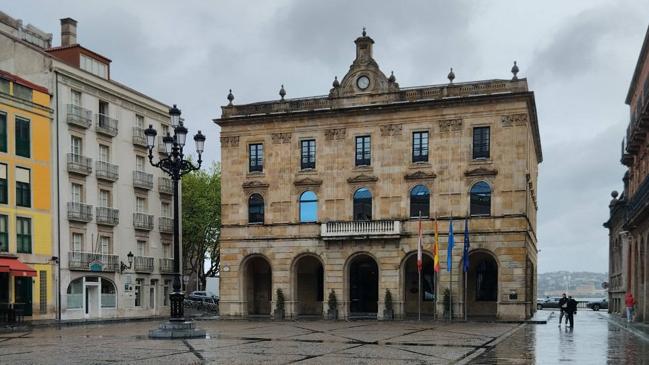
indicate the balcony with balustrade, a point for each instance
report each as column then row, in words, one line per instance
column 78, row 116
column 106, row 125
column 166, row 266
column 107, row 216
column 143, row 221
column 142, row 180
column 166, row 225
column 359, row 230
column 106, row 171
column 79, row 164
column 90, row 261
column 139, row 139
column 165, row 186
column 79, row 212
column 143, row 264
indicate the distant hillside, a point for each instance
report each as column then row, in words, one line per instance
column 578, row 284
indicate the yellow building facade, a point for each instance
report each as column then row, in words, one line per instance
column 27, row 268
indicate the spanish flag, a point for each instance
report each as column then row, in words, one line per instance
column 436, row 249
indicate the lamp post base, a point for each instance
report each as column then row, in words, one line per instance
column 177, row 329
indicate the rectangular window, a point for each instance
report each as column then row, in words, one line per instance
column 139, row 121
column 139, row 163
column 4, row 233
column 256, row 157
column 165, row 292
column 104, row 245
column 307, row 160
column 4, row 185
column 3, row 132
column 138, row 292
column 480, row 143
column 420, row 147
column 104, row 153
column 140, row 205
column 76, row 146
column 166, row 209
column 363, row 151
column 141, row 248
column 23, row 235
column 23, row 137
column 77, row 242
column 4, row 85
column 76, row 98
column 104, row 198
column 22, row 92
column 76, row 193
column 166, row 250
column 23, row 187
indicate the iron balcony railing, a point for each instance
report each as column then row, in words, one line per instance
column 143, row 264
column 165, row 186
column 89, row 261
column 143, row 221
column 79, row 164
column 79, row 116
column 106, row 171
column 142, row 180
column 166, row 225
column 139, row 139
column 79, row 212
column 360, row 229
column 106, row 125
column 166, row 266
column 639, row 201
column 107, row 216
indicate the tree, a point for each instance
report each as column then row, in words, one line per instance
column 201, row 222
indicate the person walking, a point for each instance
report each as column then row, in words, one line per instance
column 630, row 303
column 563, row 306
column 571, row 310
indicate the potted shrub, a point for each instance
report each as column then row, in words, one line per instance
column 388, row 311
column 279, row 305
column 332, row 312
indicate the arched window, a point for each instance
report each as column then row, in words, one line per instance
column 308, row 207
column 256, row 209
column 419, row 202
column 75, row 294
column 480, row 199
column 362, row 205
column 108, row 297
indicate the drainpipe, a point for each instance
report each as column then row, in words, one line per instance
column 58, row 195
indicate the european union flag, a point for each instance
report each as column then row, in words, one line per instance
column 451, row 243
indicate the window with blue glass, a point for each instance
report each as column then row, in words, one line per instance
column 307, row 154
column 256, row 209
column 362, row 205
column 419, row 202
column 308, row 207
column 420, row 147
column 480, row 199
column 256, row 157
column 363, row 151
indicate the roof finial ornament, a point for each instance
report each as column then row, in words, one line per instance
column 515, row 71
column 392, row 78
column 336, row 83
column 364, row 33
column 230, row 98
column 451, row 75
column 282, row 92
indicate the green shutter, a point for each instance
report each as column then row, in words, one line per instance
column 23, row 143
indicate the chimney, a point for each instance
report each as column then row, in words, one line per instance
column 68, row 32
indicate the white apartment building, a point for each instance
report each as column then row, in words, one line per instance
column 113, row 224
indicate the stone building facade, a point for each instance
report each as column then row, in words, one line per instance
column 324, row 194
column 629, row 214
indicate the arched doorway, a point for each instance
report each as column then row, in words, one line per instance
column 363, row 286
column 411, row 286
column 258, row 286
column 309, row 285
column 482, row 285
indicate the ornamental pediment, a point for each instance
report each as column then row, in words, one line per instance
column 420, row 175
column 362, row 178
column 308, row 181
column 255, row 184
column 481, row 171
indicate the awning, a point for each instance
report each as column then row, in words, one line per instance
column 15, row 267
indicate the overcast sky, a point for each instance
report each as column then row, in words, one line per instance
column 578, row 56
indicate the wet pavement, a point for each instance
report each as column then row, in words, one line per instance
column 593, row 340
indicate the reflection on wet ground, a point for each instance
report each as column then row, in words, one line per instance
column 593, row 340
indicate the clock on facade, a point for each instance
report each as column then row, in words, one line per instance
column 363, row 82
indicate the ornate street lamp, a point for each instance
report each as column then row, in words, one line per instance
column 175, row 165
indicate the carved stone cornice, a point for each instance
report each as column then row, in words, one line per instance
column 254, row 184
column 481, row 171
column 362, row 178
column 229, row 141
column 335, row 134
column 447, row 125
column 511, row 119
column 391, row 130
column 308, row 181
column 281, row 138
column 420, row 175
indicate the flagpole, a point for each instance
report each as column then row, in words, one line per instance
column 419, row 260
column 465, row 306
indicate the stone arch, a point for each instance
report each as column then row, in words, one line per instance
column 307, row 283
column 256, row 278
column 362, row 278
column 409, row 284
column 483, row 284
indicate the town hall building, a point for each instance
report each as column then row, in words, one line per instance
column 325, row 194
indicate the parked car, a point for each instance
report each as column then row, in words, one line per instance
column 203, row 296
column 552, row 302
column 598, row 304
